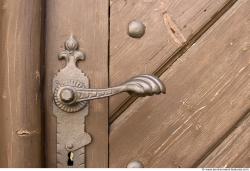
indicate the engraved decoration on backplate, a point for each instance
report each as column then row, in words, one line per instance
column 71, row 135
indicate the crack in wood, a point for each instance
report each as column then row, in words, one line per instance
column 173, row 30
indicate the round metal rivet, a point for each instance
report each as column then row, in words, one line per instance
column 136, row 29
column 69, row 146
column 67, row 95
column 135, row 164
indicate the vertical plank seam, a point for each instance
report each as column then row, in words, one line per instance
column 108, row 71
column 42, row 80
column 176, row 55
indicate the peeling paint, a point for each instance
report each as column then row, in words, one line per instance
column 25, row 132
column 37, row 75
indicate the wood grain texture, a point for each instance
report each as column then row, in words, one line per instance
column 20, row 96
column 169, row 25
column 207, row 93
column 88, row 21
column 234, row 150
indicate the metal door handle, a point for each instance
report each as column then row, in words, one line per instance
column 73, row 99
column 71, row 94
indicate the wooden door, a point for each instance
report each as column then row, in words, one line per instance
column 20, row 84
column 199, row 49
column 88, row 21
column 33, row 32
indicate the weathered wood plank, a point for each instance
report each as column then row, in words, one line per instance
column 20, row 96
column 234, row 150
column 88, row 21
column 169, row 25
column 207, row 93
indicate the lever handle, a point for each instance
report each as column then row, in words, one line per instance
column 142, row 85
column 73, row 95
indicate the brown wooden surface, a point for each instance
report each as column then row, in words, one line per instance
column 20, row 77
column 207, row 94
column 88, row 21
column 202, row 121
column 169, row 25
column 234, row 150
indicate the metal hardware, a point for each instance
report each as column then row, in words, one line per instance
column 136, row 29
column 71, row 96
column 71, row 135
column 135, row 164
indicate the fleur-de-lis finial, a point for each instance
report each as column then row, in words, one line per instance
column 71, row 44
column 71, row 52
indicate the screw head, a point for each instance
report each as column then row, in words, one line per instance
column 69, row 146
column 136, row 29
column 135, row 164
column 67, row 95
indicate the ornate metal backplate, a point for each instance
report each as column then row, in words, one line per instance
column 71, row 95
column 71, row 135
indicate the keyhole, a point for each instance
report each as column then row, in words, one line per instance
column 70, row 159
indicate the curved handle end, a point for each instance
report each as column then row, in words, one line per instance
column 144, row 85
